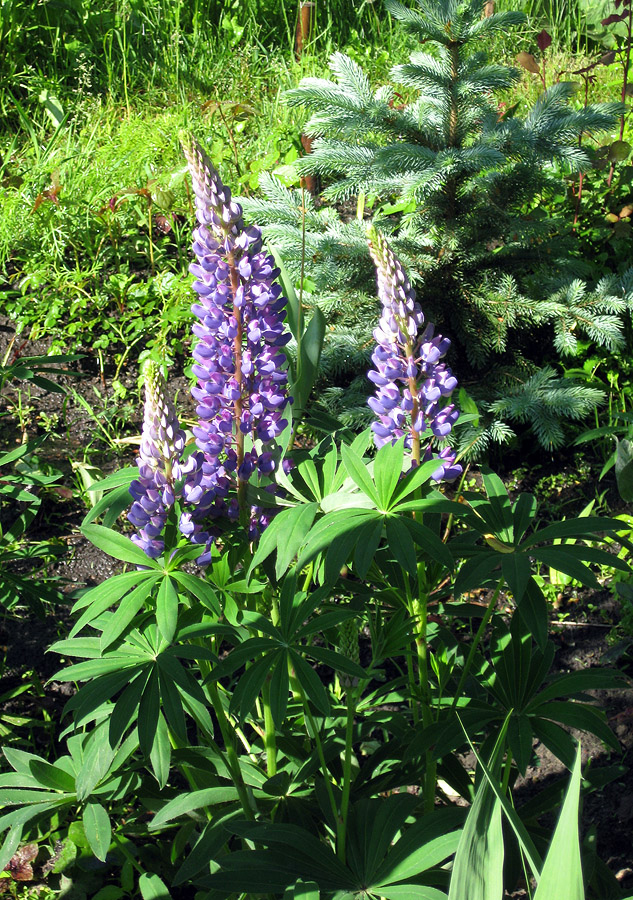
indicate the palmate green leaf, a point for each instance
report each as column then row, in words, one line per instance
column 401, row 544
column 499, row 503
column 250, row 685
column 581, row 716
column 358, row 473
column 520, row 738
column 556, row 739
column 118, row 546
column 517, row 571
column 410, row 892
column 126, row 707
column 477, row 571
column 126, row 611
column 172, row 705
column 367, row 545
column 561, row 875
column 430, row 543
column 212, row 839
column 96, row 822
column 291, row 536
column 329, row 529
column 310, row 682
column 563, row 561
column 581, row 527
column 308, row 472
column 96, row 762
column 107, row 594
column 199, row 589
column 285, row 528
column 534, row 611
column 523, row 513
column 10, row 845
column 387, row 471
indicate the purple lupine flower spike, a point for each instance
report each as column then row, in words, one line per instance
column 159, row 463
column 239, row 363
column 410, row 380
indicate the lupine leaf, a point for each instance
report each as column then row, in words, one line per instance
column 98, row 829
column 167, row 608
column 117, row 546
column 359, row 474
column 160, row 754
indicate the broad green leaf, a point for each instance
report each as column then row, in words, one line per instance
column 126, row 611
column 152, row 887
column 561, row 876
column 117, row 546
column 160, row 754
column 310, row 682
column 190, row 802
column 520, row 739
column 290, row 537
column 581, row 716
column 303, row 890
column 167, row 608
column 558, row 558
column 52, row 777
column 401, row 544
column 98, row 830
column 148, row 712
column 523, row 513
column 517, row 571
column 387, row 471
column 367, row 546
column 250, row 685
column 581, row 527
column 125, row 709
column 534, row 611
column 10, row 845
column 211, row 841
column 359, row 474
column 200, row 589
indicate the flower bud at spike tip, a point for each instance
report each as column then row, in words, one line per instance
column 411, row 381
column 240, row 365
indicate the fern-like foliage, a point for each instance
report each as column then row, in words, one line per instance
column 459, row 184
column 543, row 400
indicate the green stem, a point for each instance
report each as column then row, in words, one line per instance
column 475, row 644
column 270, row 736
column 233, row 763
column 319, row 746
column 506, row 772
column 347, row 774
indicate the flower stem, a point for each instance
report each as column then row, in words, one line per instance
column 347, row 774
column 475, row 644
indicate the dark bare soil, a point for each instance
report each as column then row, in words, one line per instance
column 581, row 635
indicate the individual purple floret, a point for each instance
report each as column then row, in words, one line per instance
column 410, row 379
column 159, row 463
column 239, row 362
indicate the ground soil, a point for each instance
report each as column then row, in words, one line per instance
column 581, row 629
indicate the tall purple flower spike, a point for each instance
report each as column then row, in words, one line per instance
column 410, row 379
column 242, row 379
column 160, row 464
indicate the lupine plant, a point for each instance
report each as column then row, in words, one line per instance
column 281, row 711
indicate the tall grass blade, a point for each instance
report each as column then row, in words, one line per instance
column 561, row 876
